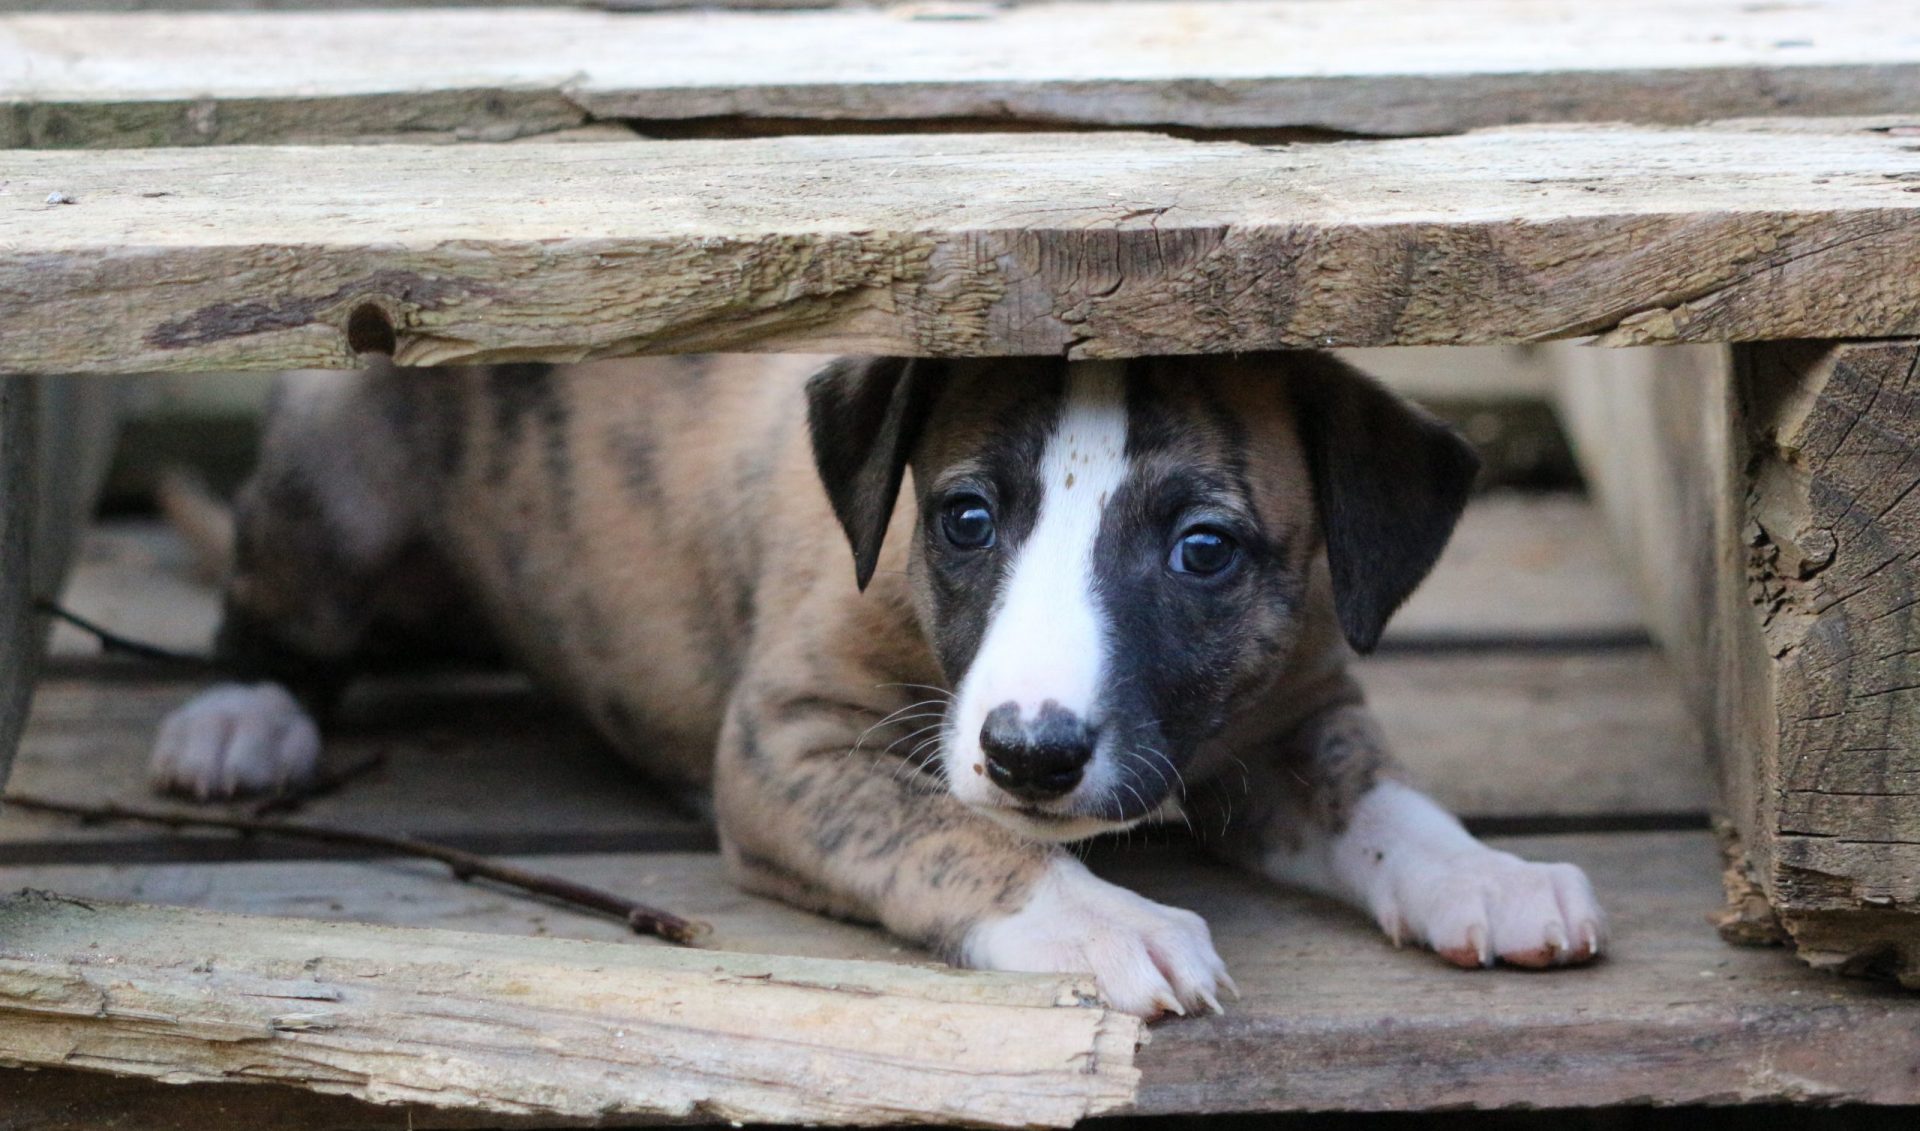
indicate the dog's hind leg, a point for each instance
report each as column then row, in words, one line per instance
column 322, row 530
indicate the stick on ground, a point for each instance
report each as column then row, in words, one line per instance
column 643, row 919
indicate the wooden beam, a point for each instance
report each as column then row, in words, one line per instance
column 1776, row 501
column 547, row 1027
column 1377, row 67
column 1087, row 245
column 1331, row 1016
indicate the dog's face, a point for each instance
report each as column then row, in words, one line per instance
column 1111, row 557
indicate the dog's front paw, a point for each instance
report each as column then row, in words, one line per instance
column 235, row 739
column 1481, row 906
column 1148, row 958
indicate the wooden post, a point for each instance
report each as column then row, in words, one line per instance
column 1769, row 500
column 19, row 480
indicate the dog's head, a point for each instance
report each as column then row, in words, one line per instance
column 1111, row 557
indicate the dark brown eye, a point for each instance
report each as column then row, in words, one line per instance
column 1204, row 552
column 967, row 522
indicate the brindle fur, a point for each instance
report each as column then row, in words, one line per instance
column 650, row 539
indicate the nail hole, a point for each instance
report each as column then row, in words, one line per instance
column 369, row 330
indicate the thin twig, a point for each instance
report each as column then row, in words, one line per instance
column 643, row 919
column 111, row 642
column 324, row 784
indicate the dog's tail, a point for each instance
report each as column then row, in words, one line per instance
column 203, row 518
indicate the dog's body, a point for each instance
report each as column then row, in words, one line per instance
column 1114, row 592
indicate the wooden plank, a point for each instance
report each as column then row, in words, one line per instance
column 1087, row 245
column 1498, row 736
column 1512, row 735
column 1522, row 569
column 1376, row 67
column 549, row 1027
column 481, row 762
column 1777, row 504
column 1331, row 1016
column 1332, row 1022
column 414, row 893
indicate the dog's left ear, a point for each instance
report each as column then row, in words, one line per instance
column 1389, row 481
column 865, row 415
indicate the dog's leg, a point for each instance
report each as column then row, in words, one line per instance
column 809, row 814
column 317, row 533
column 1326, row 814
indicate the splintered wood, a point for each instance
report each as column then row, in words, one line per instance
column 1377, row 67
column 549, row 1027
column 1084, row 245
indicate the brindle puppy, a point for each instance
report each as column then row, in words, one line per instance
column 1115, row 592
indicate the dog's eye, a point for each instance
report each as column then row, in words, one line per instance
column 967, row 522
column 1203, row 551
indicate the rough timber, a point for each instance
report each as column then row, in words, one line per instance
column 1092, row 245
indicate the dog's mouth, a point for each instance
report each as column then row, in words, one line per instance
column 1038, row 823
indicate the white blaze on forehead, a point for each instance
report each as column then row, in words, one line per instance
column 1048, row 635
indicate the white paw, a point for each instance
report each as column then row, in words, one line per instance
column 1148, row 958
column 234, row 739
column 1480, row 906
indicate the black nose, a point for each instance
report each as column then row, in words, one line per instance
column 1037, row 759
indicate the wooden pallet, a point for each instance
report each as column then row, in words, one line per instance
column 1227, row 237
column 1332, row 1017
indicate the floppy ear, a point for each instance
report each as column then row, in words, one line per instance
column 865, row 414
column 1389, row 481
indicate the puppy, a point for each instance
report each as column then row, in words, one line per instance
column 1113, row 592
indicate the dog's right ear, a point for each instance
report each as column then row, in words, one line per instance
column 865, row 415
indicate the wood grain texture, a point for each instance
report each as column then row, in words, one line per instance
column 1775, row 502
column 1084, row 245
column 1523, row 568
column 1376, row 67
column 1331, row 1017
column 1834, row 574
column 1504, row 735
column 548, row 1027
column 483, row 763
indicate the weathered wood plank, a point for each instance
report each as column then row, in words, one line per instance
column 1331, row 1018
column 1378, row 67
column 548, row 1027
column 1088, row 245
column 1516, row 735
column 1523, row 569
column 1672, row 1016
column 1776, row 502
column 485, row 764
column 1502, row 735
